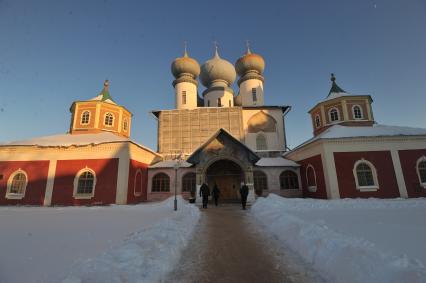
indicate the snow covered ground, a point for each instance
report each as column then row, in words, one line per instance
column 351, row 240
column 72, row 244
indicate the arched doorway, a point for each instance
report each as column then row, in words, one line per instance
column 228, row 176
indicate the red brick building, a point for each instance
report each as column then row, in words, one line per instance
column 351, row 156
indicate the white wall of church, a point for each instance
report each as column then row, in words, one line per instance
column 274, row 140
column 246, row 94
column 190, row 91
column 226, row 98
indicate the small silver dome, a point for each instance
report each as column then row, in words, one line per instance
column 185, row 65
column 217, row 69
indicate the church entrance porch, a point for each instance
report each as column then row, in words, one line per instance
column 227, row 175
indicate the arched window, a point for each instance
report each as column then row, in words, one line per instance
column 230, row 103
column 188, row 183
column 17, row 185
column 421, row 171
column 160, row 183
column 137, row 189
column 357, row 112
column 84, row 183
column 219, row 102
column 311, row 178
column 289, row 180
column 109, row 119
column 85, row 117
column 260, row 182
column 125, row 124
column 365, row 176
column 253, row 93
column 261, row 142
column 317, row 121
column 334, row 114
column 184, row 97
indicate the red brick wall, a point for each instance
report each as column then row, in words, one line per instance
column 133, row 169
column 382, row 161
column 408, row 160
column 316, row 162
column 106, row 181
column 37, row 177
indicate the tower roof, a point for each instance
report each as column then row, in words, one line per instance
column 217, row 69
column 104, row 95
column 334, row 87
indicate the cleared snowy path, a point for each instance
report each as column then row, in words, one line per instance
column 227, row 247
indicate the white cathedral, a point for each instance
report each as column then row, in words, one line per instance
column 224, row 137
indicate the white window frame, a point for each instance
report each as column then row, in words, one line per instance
column 113, row 119
column 10, row 195
column 373, row 188
column 338, row 115
column 311, row 188
column 317, row 117
column 81, row 118
column 423, row 184
column 77, row 176
column 137, row 194
column 360, row 110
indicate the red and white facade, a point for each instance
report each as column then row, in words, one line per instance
column 351, row 156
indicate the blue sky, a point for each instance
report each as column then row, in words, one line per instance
column 55, row 52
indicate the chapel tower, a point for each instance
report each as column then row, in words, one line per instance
column 185, row 70
column 218, row 75
column 343, row 108
column 100, row 114
column 250, row 68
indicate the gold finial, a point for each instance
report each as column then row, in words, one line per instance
column 106, row 84
column 248, row 47
column 185, row 54
column 216, row 53
column 333, row 78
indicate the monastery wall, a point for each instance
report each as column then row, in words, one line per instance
column 36, row 172
column 409, row 160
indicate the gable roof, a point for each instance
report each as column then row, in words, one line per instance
column 193, row 158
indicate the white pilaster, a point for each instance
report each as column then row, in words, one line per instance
column 331, row 183
column 399, row 175
column 122, row 176
column 49, row 184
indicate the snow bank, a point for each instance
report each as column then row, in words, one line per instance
column 44, row 244
column 338, row 255
column 145, row 256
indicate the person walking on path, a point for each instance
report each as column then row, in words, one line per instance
column 215, row 193
column 205, row 193
column 244, row 193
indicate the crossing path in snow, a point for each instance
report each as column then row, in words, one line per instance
column 227, row 246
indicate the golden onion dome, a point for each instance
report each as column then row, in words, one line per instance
column 250, row 62
column 185, row 65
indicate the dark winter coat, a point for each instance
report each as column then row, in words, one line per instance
column 215, row 192
column 244, row 191
column 204, row 190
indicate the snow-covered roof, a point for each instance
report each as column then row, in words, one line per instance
column 100, row 98
column 171, row 164
column 66, row 140
column 276, row 161
column 377, row 130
